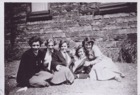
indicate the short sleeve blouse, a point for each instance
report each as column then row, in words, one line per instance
column 97, row 51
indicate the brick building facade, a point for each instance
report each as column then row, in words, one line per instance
column 110, row 24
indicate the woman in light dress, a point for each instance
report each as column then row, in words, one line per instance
column 103, row 67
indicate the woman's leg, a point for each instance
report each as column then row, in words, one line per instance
column 40, row 79
column 64, row 74
column 93, row 74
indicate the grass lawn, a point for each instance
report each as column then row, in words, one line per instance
column 128, row 85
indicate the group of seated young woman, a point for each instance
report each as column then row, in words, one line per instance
column 40, row 68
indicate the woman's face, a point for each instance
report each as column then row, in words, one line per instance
column 88, row 46
column 35, row 46
column 81, row 53
column 50, row 46
column 64, row 47
column 91, row 55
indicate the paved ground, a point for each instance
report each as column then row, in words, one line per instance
column 128, row 85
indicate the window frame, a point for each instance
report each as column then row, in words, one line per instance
column 110, row 8
column 38, row 15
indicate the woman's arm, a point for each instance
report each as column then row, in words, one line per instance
column 98, row 53
column 88, row 63
column 57, row 61
column 79, row 64
column 23, row 74
column 93, row 62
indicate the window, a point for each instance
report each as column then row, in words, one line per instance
column 36, row 7
column 39, row 11
column 110, row 8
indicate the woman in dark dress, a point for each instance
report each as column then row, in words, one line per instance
column 31, row 64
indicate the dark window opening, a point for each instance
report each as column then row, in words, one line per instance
column 110, row 8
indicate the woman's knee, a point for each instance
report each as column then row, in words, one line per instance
column 37, row 82
column 65, row 69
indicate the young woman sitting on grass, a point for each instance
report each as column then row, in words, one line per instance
column 103, row 67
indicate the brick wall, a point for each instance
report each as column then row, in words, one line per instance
column 73, row 22
column 14, row 28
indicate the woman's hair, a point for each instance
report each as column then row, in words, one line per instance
column 62, row 42
column 88, row 40
column 35, row 39
column 79, row 47
column 88, row 54
column 50, row 40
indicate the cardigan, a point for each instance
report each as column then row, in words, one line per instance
column 29, row 65
column 57, row 59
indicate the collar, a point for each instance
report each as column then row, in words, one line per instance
column 35, row 52
column 51, row 51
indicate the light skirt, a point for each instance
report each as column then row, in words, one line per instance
column 64, row 74
column 104, row 70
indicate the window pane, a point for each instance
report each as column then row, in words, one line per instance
column 39, row 7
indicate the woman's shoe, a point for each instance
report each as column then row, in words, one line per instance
column 118, row 78
column 122, row 75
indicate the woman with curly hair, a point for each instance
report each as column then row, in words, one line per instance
column 31, row 64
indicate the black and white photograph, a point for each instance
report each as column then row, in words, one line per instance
column 70, row 48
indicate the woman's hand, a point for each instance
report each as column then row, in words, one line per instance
column 58, row 67
column 87, row 63
column 45, row 64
